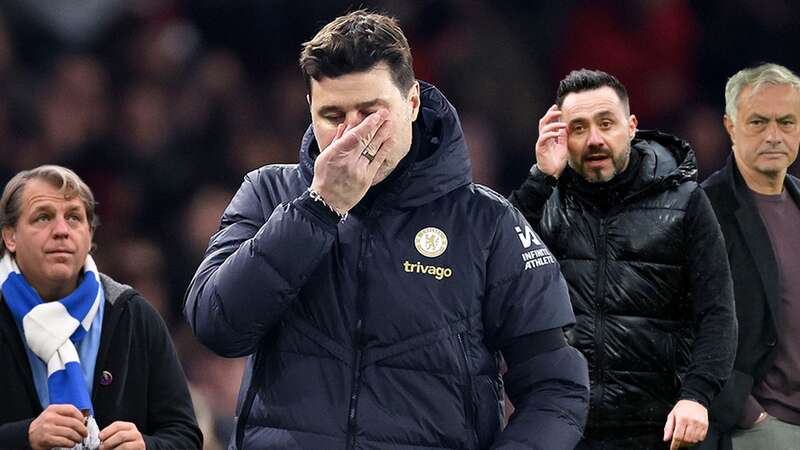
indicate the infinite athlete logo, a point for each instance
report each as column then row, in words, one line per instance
column 527, row 237
column 536, row 257
column 430, row 242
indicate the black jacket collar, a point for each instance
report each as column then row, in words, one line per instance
column 440, row 166
column 754, row 232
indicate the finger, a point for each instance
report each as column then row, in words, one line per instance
column 66, row 433
column 692, row 434
column 696, row 432
column 380, row 137
column 115, row 440
column 339, row 131
column 675, row 444
column 66, row 410
column 555, row 126
column 669, row 427
column 69, row 422
column 357, row 138
column 680, row 430
column 112, row 429
column 60, row 441
column 547, row 114
column 546, row 137
column 131, row 445
column 380, row 157
column 552, row 115
column 703, row 433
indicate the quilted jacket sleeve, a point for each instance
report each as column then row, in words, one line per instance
column 255, row 266
column 527, row 295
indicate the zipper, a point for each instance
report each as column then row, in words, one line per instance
column 247, row 404
column 358, row 343
column 352, row 423
column 600, row 289
column 469, row 402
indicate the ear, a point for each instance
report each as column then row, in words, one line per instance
column 413, row 100
column 10, row 238
column 730, row 129
column 633, row 122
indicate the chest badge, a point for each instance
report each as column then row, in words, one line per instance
column 430, row 242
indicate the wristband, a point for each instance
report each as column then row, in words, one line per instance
column 314, row 195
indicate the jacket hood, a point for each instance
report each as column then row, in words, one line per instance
column 666, row 160
column 660, row 161
column 112, row 289
column 443, row 168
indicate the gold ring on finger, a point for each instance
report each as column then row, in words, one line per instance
column 366, row 154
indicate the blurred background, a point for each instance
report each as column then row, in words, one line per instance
column 162, row 106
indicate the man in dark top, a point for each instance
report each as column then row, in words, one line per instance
column 86, row 363
column 756, row 203
column 375, row 285
column 644, row 260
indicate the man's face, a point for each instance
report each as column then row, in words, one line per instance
column 350, row 98
column 766, row 134
column 51, row 238
column 599, row 133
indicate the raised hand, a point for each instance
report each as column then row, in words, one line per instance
column 342, row 174
column 551, row 146
column 57, row 426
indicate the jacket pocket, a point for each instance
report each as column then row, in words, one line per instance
column 467, row 390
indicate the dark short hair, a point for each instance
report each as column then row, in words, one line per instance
column 588, row 80
column 356, row 42
column 60, row 178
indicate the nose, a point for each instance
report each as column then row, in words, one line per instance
column 773, row 133
column 354, row 118
column 60, row 228
column 595, row 140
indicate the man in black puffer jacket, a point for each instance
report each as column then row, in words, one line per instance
column 375, row 285
column 645, row 262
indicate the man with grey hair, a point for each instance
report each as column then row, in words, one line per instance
column 756, row 203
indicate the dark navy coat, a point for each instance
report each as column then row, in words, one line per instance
column 383, row 331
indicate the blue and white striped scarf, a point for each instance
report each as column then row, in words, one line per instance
column 53, row 328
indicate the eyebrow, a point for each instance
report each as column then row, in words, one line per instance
column 42, row 207
column 778, row 119
column 48, row 207
column 605, row 113
column 363, row 105
column 601, row 114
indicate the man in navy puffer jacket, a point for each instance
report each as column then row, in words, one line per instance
column 374, row 286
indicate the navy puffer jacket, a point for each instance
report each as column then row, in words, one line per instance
column 375, row 333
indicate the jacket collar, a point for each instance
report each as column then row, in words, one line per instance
column 754, row 232
column 442, row 168
column 114, row 309
column 665, row 161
